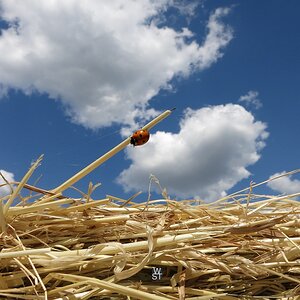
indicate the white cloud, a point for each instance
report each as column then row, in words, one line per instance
column 103, row 59
column 3, row 91
column 5, row 190
column 208, row 156
column 251, row 98
column 285, row 184
column 187, row 7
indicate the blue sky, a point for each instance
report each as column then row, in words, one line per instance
column 76, row 78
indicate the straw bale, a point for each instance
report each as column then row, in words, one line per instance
column 245, row 246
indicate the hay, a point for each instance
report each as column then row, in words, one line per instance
column 244, row 246
column 53, row 247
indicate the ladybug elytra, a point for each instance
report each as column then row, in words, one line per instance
column 140, row 137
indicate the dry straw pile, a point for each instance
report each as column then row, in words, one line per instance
column 243, row 247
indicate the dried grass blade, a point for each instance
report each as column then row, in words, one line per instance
column 124, row 290
column 2, row 219
column 12, row 254
column 21, row 184
column 30, row 209
column 215, row 296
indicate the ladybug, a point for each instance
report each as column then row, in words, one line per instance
column 140, row 137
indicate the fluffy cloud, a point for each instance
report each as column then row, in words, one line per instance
column 208, row 156
column 285, row 184
column 5, row 190
column 103, row 59
column 251, row 99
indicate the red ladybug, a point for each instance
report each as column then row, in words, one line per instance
column 140, row 137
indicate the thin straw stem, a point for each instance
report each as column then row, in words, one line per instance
column 21, row 184
column 106, row 156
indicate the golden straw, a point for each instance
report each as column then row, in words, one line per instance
column 106, row 156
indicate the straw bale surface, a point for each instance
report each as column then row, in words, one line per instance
column 242, row 247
